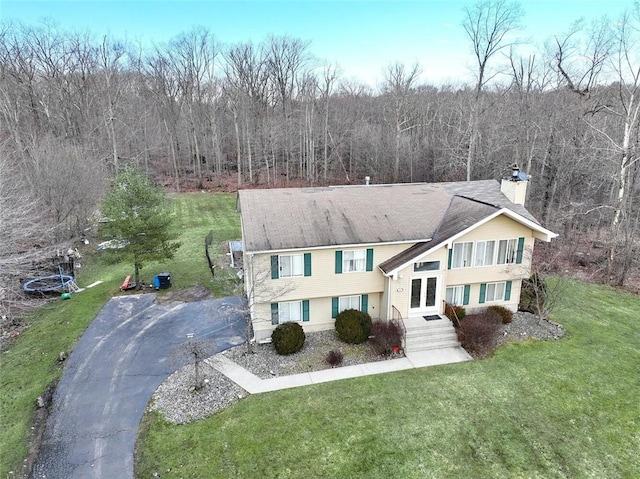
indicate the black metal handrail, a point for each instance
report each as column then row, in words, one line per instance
column 396, row 316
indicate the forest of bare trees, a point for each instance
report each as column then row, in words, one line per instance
column 197, row 113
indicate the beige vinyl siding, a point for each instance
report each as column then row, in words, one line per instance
column 319, row 316
column 499, row 228
column 323, row 282
column 383, row 293
column 474, row 297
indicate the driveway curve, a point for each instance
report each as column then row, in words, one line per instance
column 118, row 363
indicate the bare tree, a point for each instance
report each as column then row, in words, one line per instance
column 288, row 61
column 259, row 288
column 245, row 87
column 488, row 24
column 399, row 85
column 626, row 65
column 111, row 57
column 193, row 351
column 329, row 77
column 27, row 238
column 611, row 53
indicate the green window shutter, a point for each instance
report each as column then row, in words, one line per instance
column 369, row 259
column 334, row 307
column 305, row 310
column 274, row 313
column 507, row 291
column 465, row 297
column 364, row 303
column 307, row 264
column 520, row 250
column 338, row 262
column 483, row 292
column 275, row 271
column 450, row 257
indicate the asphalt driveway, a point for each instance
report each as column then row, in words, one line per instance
column 118, row 363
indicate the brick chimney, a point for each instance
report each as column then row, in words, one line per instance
column 515, row 187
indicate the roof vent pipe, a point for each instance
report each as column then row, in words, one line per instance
column 367, row 180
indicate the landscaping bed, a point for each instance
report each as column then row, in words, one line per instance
column 178, row 403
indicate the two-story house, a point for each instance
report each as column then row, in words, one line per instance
column 395, row 251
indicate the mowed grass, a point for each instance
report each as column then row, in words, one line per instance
column 31, row 362
column 556, row 409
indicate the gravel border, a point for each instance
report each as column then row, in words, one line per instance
column 178, row 403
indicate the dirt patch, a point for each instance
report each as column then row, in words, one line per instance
column 186, row 295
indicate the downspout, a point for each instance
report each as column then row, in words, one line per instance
column 251, row 290
column 388, row 297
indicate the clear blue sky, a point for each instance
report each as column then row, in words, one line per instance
column 361, row 36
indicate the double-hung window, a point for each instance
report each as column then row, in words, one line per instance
column 289, row 311
column 484, row 253
column 507, row 250
column 350, row 261
column 341, row 303
column 291, row 265
column 495, row 292
column 462, row 254
column 455, row 295
column 349, row 302
column 355, row 260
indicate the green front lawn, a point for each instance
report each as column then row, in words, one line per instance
column 557, row 409
column 30, row 364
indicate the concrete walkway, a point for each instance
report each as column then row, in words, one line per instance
column 254, row 385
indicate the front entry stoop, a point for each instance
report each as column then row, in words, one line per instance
column 423, row 335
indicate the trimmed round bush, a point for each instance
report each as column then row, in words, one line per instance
column 353, row 326
column 506, row 315
column 288, row 338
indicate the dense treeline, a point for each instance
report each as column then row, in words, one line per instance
column 76, row 109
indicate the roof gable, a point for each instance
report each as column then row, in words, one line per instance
column 399, row 261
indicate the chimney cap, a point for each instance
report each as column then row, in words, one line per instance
column 515, row 172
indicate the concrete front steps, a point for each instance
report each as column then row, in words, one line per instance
column 423, row 335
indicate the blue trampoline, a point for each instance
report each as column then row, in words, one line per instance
column 54, row 283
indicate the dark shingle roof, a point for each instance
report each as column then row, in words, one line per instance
column 290, row 218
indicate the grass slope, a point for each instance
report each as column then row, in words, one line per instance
column 561, row 409
column 30, row 364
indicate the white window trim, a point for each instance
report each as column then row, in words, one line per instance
column 456, row 290
column 463, row 246
column 495, row 285
column 415, row 266
column 290, row 305
column 511, row 252
column 293, row 273
column 350, row 298
column 356, row 261
column 484, row 253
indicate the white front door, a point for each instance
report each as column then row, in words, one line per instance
column 425, row 295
